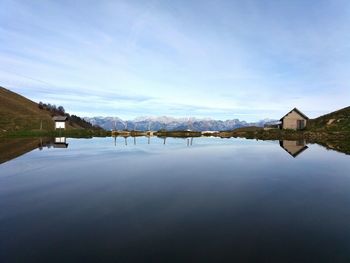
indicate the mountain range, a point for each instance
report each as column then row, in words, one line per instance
column 172, row 124
column 18, row 113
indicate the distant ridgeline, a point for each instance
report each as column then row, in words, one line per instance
column 18, row 113
column 173, row 124
column 335, row 121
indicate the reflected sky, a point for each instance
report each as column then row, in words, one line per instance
column 217, row 200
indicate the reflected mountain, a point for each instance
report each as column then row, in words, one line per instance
column 294, row 148
column 11, row 148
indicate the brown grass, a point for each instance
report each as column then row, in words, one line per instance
column 18, row 113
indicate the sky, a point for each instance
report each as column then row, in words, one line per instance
column 251, row 59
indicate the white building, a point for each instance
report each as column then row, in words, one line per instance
column 60, row 122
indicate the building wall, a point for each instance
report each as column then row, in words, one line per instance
column 60, row 140
column 290, row 121
column 60, row 125
column 292, row 146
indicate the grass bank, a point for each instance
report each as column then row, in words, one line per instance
column 56, row 133
column 179, row 134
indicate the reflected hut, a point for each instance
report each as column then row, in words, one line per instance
column 60, row 142
column 294, row 148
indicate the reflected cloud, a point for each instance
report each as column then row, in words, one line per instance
column 11, row 148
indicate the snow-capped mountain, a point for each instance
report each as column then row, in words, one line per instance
column 172, row 124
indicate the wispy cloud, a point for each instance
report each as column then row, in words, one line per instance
column 219, row 59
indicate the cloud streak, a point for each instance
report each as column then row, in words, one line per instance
column 219, row 59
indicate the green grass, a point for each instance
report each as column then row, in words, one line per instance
column 58, row 133
column 179, row 134
column 20, row 113
column 334, row 121
column 20, row 116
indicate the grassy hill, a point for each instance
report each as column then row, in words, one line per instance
column 335, row 121
column 18, row 113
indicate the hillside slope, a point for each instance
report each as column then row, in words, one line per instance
column 335, row 121
column 18, row 113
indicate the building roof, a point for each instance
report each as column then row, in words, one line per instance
column 60, row 145
column 297, row 111
column 295, row 153
column 59, row 118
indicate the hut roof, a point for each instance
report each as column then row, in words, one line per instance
column 59, row 118
column 294, row 154
column 297, row 111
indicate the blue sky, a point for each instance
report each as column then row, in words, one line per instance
column 220, row 59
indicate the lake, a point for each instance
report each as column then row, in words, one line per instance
column 173, row 200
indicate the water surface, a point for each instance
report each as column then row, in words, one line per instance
column 173, row 200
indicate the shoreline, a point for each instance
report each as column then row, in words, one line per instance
column 334, row 140
column 259, row 133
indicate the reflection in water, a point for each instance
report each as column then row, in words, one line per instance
column 13, row 148
column 189, row 141
column 294, row 148
column 222, row 200
column 60, row 142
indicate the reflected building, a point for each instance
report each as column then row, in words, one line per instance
column 294, row 148
column 60, row 142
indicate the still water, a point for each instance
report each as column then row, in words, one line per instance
column 173, row 200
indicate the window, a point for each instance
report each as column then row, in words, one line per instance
column 300, row 124
column 300, row 143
